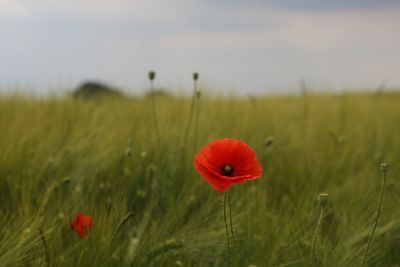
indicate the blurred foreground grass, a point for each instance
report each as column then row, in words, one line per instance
column 60, row 156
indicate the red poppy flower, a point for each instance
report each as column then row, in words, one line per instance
column 227, row 161
column 81, row 224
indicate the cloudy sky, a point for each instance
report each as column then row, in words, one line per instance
column 252, row 46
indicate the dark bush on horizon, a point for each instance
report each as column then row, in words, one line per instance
column 94, row 90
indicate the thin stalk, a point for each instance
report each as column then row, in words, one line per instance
column 314, row 243
column 378, row 211
column 196, row 119
column 227, row 230
column 153, row 106
column 46, row 249
column 192, row 106
column 230, row 218
column 121, row 224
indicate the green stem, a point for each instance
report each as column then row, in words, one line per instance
column 192, row 106
column 227, row 231
column 46, row 248
column 153, row 107
column 196, row 121
column 230, row 217
column 378, row 213
column 121, row 224
column 314, row 243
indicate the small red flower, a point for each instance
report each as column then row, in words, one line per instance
column 81, row 224
column 227, row 161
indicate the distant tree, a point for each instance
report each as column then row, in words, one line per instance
column 93, row 90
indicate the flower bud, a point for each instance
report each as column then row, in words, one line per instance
column 323, row 199
column 128, row 152
column 141, row 193
column 384, row 167
column 152, row 75
column 195, row 76
column 268, row 141
column 61, row 215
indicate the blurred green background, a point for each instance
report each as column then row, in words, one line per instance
column 149, row 206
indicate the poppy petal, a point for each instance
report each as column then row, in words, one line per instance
column 218, row 184
column 213, row 157
column 81, row 224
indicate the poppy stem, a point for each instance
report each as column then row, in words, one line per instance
column 196, row 118
column 314, row 243
column 230, row 217
column 153, row 107
column 227, row 230
column 384, row 167
column 192, row 106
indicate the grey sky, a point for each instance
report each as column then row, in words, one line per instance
column 248, row 46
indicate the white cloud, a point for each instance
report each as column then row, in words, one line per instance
column 306, row 31
column 333, row 49
column 247, row 47
column 340, row 30
column 105, row 9
column 13, row 8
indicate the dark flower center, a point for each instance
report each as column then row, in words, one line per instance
column 227, row 170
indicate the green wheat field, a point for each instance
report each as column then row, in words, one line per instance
column 61, row 155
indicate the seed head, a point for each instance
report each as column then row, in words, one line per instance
column 61, row 215
column 130, row 254
column 384, row 167
column 195, row 76
column 152, row 75
column 227, row 170
column 141, row 193
column 323, row 199
column 128, row 152
column 268, row 141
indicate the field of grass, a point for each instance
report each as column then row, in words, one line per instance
column 151, row 208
